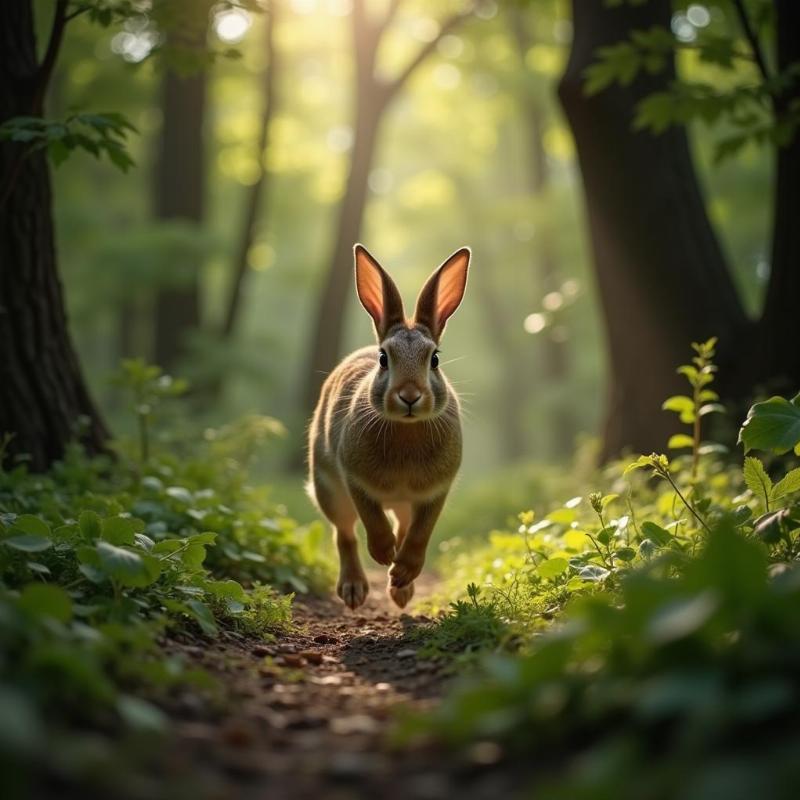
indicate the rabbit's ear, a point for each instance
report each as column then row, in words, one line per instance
column 377, row 292
column 442, row 293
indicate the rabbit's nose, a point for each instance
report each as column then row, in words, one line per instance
column 409, row 395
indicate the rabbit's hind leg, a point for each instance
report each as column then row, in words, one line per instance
column 335, row 503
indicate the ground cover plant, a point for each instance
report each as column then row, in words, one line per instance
column 103, row 559
column 645, row 638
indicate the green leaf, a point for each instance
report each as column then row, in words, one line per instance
column 119, row 530
column 46, row 600
column 640, row 463
column 682, row 405
column 625, row 554
column 552, row 567
column 680, row 440
column 656, row 533
column 203, row 616
column 757, row 480
column 28, row 543
column 227, row 590
column 127, row 566
column 90, row 524
column 773, row 424
column 787, row 485
column 27, row 523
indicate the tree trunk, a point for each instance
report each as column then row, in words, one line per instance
column 329, row 324
column 661, row 275
column 43, row 397
column 255, row 197
column 179, row 194
column 778, row 356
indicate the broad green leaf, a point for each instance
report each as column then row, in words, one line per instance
column 680, row 440
column 119, row 530
column 552, row 567
column 90, row 524
column 127, row 566
column 640, row 463
column 656, row 533
column 227, row 590
column 773, row 424
column 788, row 484
column 757, row 480
column 625, row 554
column 46, row 600
column 28, row 523
column 28, row 543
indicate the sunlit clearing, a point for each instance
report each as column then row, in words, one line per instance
column 232, row 25
column 535, row 323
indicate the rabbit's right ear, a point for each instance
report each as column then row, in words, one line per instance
column 377, row 292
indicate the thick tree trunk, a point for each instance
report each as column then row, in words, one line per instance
column 661, row 275
column 778, row 361
column 328, row 327
column 43, row 397
column 179, row 194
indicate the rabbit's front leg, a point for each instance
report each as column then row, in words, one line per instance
column 380, row 538
column 410, row 557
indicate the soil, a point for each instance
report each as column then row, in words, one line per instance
column 310, row 715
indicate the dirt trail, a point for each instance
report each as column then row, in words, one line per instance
column 310, row 712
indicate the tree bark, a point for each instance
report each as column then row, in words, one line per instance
column 255, row 199
column 179, row 189
column 44, row 400
column 778, row 356
column 661, row 275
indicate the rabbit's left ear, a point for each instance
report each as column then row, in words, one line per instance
column 377, row 292
column 442, row 293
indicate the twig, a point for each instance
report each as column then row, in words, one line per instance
column 752, row 38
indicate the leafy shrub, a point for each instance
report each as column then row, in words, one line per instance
column 660, row 643
column 100, row 559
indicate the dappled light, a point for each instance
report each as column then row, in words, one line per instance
column 399, row 399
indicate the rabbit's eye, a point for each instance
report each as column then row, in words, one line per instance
column 434, row 361
column 383, row 360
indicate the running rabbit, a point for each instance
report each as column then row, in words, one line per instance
column 386, row 433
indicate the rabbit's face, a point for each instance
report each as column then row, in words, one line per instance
column 407, row 385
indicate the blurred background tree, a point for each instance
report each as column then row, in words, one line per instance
column 418, row 127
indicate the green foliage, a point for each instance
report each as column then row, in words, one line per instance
column 100, row 561
column 471, row 626
column 655, row 691
column 774, row 425
column 97, row 134
column 650, row 645
column 703, row 401
column 725, row 86
column 148, row 387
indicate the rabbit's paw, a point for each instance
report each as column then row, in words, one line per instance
column 381, row 548
column 404, row 570
column 401, row 594
column 353, row 590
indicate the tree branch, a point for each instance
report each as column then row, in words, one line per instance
column 393, row 86
column 752, row 38
column 45, row 70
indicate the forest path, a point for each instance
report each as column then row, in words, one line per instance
column 307, row 715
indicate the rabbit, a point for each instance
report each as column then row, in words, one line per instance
column 386, row 432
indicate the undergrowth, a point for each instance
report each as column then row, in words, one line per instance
column 103, row 560
column 654, row 623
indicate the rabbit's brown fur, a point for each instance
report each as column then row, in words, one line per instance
column 388, row 436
